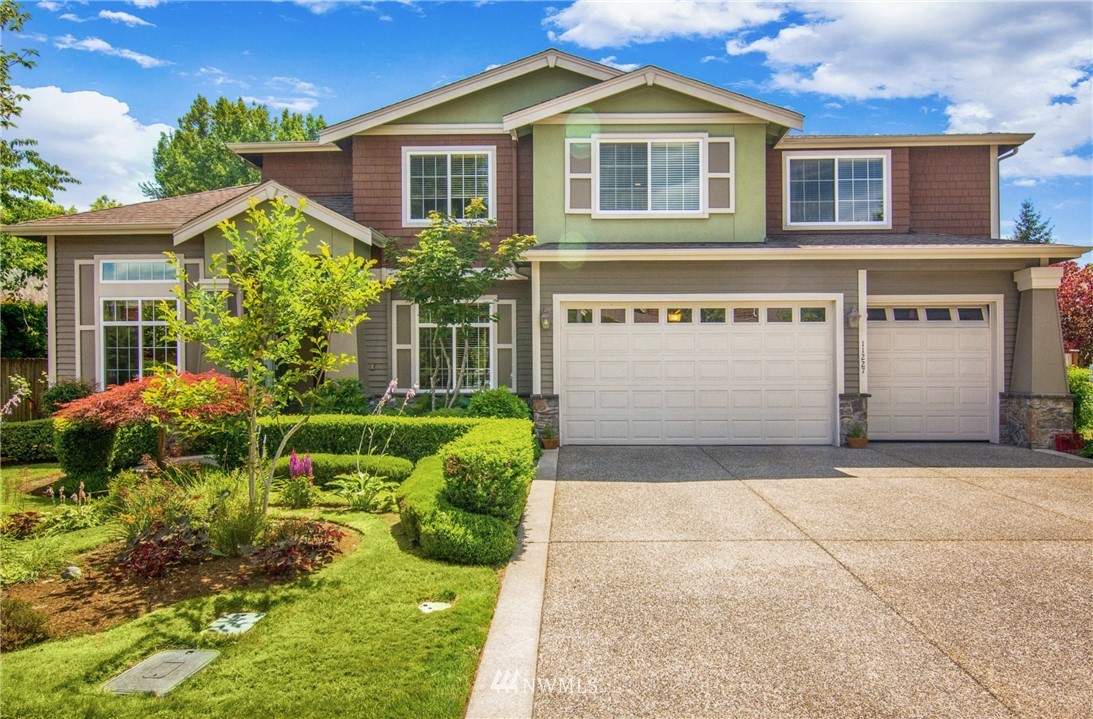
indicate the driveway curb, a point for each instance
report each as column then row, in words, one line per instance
column 504, row 686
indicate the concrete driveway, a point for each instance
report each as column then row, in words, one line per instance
column 907, row 580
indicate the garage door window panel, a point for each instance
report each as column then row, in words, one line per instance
column 613, row 316
column 779, row 314
column 712, row 315
column 682, row 315
column 745, row 315
column 813, row 314
column 646, row 315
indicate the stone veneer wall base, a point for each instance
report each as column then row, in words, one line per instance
column 853, row 409
column 1033, row 420
column 544, row 412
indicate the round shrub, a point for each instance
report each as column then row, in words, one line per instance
column 343, row 395
column 1080, row 381
column 84, row 449
column 64, row 391
column 21, row 624
column 486, row 478
column 499, row 403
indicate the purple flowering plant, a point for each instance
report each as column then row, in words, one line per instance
column 299, row 466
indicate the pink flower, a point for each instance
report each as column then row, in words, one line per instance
column 298, row 467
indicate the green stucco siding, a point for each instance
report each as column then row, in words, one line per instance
column 652, row 99
column 490, row 104
column 746, row 224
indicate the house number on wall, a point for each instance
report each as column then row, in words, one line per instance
column 863, row 356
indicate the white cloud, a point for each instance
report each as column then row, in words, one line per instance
column 999, row 67
column 94, row 137
column 32, row 36
column 712, row 58
column 94, row 44
column 50, row 5
column 613, row 24
column 293, row 104
column 298, row 86
column 1026, row 182
column 123, row 17
column 144, row 3
column 612, row 61
column 75, row 18
column 220, row 78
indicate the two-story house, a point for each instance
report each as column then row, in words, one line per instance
column 702, row 274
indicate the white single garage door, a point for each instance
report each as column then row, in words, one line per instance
column 930, row 372
column 711, row 372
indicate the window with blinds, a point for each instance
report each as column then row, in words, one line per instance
column 652, row 176
column 835, row 190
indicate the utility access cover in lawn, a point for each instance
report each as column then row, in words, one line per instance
column 160, row 673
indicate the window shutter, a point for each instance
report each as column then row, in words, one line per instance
column 505, row 344
column 403, row 344
column 578, row 170
column 721, row 174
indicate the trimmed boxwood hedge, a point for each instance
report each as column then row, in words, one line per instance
column 326, row 467
column 463, row 504
column 408, row 437
column 31, row 441
column 132, row 442
column 447, row 532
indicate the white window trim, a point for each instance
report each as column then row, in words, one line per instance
column 449, row 150
column 884, row 155
column 102, row 324
column 414, row 345
column 103, row 261
column 126, row 290
column 703, row 179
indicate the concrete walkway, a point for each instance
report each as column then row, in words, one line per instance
column 917, row 580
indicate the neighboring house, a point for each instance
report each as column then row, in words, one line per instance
column 702, row 275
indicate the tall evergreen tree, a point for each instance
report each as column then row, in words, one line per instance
column 195, row 157
column 1030, row 226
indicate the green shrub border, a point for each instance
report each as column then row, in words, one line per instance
column 411, row 438
column 326, row 467
column 442, row 505
column 25, row 442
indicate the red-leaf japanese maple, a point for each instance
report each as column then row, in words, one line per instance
column 1076, row 309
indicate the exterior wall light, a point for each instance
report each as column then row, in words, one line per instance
column 544, row 319
column 853, row 318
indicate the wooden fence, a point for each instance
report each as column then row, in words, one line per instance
column 33, row 371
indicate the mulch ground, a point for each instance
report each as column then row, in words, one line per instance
column 96, row 602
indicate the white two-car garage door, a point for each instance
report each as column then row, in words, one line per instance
column 730, row 372
column 930, row 372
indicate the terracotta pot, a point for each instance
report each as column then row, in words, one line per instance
column 549, row 442
column 857, row 442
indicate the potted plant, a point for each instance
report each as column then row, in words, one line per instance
column 548, row 438
column 855, row 436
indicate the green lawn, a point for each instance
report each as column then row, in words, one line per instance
column 11, row 477
column 348, row 641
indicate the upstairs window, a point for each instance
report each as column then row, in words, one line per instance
column 825, row 191
column 445, row 180
column 651, row 176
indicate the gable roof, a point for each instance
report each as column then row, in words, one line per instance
column 267, row 191
column 187, row 216
column 142, row 218
column 651, row 75
column 546, row 59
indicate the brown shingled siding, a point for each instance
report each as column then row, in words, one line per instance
column 951, row 190
column 311, row 173
column 377, row 178
column 525, row 185
column 902, row 212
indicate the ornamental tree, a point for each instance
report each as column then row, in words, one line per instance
column 291, row 303
column 1076, row 310
column 451, row 266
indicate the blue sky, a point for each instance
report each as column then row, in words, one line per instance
column 112, row 76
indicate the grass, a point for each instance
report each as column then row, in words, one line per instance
column 347, row 641
column 26, row 559
column 13, row 477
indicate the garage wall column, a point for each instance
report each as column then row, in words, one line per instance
column 1037, row 404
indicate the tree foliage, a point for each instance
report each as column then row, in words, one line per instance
column 22, row 329
column 27, row 181
column 195, row 157
column 1030, row 226
column 1076, row 309
column 102, row 202
column 453, row 264
column 292, row 302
